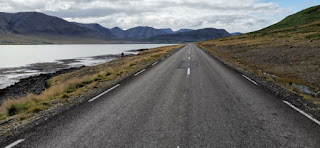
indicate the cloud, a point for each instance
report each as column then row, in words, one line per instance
column 233, row 15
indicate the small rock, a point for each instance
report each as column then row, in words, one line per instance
column 310, row 41
column 290, row 47
column 55, row 101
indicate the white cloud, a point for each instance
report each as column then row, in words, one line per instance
column 232, row 15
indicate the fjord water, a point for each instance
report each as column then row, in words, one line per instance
column 21, row 55
column 21, row 61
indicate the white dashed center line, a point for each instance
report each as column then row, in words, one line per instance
column 188, row 71
column 189, row 58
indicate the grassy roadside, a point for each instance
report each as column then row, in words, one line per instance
column 67, row 87
column 286, row 53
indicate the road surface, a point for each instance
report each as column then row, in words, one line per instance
column 188, row 99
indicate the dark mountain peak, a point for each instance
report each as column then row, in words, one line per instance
column 98, row 29
column 138, row 32
column 116, row 28
column 35, row 23
column 141, row 27
column 118, row 32
column 167, row 30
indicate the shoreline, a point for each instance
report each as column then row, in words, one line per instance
column 32, row 78
column 33, row 84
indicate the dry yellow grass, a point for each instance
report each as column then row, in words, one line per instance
column 69, row 86
column 283, row 56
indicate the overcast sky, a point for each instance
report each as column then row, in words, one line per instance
column 232, row 15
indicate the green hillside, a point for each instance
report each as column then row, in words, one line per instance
column 303, row 17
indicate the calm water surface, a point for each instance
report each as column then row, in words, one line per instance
column 21, row 61
column 21, row 55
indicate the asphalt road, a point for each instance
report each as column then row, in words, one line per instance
column 179, row 102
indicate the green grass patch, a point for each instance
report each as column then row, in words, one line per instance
column 315, row 36
column 303, row 17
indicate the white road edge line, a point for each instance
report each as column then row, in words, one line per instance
column 98, row 96
column 302, row 112
column 162, row 59
column 14, row 143
column 139, row 72
column 250, row 80
column 154, row 63
column 188, row 72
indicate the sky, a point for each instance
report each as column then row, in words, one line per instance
column 232, row 15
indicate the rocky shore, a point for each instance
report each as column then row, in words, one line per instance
column 32, row 78
column 33, row 84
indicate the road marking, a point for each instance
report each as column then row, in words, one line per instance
column 302, row 112
column 139, row 72
column 189, row 52
column 98, row 96
column 189, row 58
column 162, row 59
column 250, row 80
column 167, row 55
column 14, row 143
column 154, row 63
column 188, row 72
column 178, row 147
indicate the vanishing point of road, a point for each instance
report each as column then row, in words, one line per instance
column 187, row 99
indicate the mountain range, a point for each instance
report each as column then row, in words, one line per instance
column 37, row 28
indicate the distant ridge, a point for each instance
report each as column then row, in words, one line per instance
column 140, row 32
column 194, row 35
column 34, row 23
column 236, row 33
column 39, row 28
column 184, row 30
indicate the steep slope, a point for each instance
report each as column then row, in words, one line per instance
column 33, row 23
column 301, row 18
column 39, row 28
column 98, row 29
column 191, row 36
column 286, row 53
